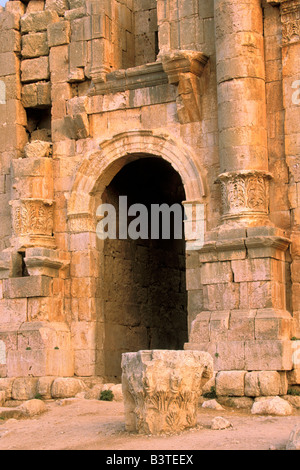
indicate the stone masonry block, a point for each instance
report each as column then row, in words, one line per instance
column 272, row 324
column 242, row 325
column 9, row 20
column 30, row 286
column 9, row 64
column 59, row 33
column 59, row 64
column 200, row 329
column 257, row 270
column 35, row 5
column 221, row 296
column 13, row 310
column 294, row 377
column 262, row 383
column 40, row 363
column 219, row 324
column 34, row 45
column 16, row 6
column 38, row 21
column 10, row 41
column 230, row 355
column 268, row 355
column 60, row 6
column 34, row 70
column 13, row 113
column 216, row 273
column 24, row 388
column 10, row 265
column 231, row 383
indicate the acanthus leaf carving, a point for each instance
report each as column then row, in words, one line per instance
column 290, row 17
column 32, row 217
column 162, row 388
column 244, row 193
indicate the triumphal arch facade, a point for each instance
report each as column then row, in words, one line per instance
column 193, row 102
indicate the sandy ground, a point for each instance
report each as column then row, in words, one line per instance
column 96, row 425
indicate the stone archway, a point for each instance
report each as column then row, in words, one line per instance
column 101, row 166
column 93, row 177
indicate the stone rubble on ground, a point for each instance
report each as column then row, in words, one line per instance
column 212, row 405
column 272, row 406
column 33, row 407
column 219, row 423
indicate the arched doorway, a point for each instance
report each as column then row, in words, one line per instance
column 100, row 173
column 143, row 292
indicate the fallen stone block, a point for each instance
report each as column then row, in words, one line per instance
column 212, row 405
column 117, row 392
column 272, row 406
column 33, row 407
column 94, row 392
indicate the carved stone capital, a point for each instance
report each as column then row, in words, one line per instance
column 290, row 17
column 162, row 388
column 33, row 222
column 245, row 193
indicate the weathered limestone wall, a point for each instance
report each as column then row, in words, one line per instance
column 209, row 86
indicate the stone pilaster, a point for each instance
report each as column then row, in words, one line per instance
column 244, row 322
column 290, row 20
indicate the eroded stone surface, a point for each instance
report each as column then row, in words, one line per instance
column 161, row 389
column 272, row 406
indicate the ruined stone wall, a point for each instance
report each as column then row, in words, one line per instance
column 211, row 87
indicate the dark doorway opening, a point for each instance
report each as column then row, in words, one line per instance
column 144, row 281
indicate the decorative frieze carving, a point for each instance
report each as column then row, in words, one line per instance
column 245, row 193
column 290, row 17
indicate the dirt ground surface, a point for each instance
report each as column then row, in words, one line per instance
column 79, row 424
